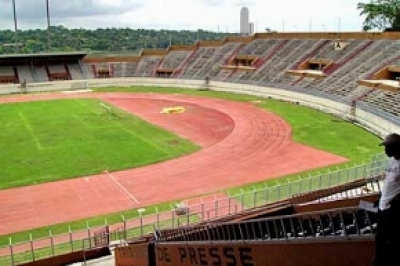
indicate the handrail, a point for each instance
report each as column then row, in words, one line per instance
column 344, row 222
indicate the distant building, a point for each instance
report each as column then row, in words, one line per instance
column 251, row 28
column 244, row 21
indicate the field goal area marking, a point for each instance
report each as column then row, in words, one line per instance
column 104, row 106
column 122, row 188
column 110, row 111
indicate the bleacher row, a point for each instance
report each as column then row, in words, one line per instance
column 282, row 220
column 357, row 61
column 332, row 223
column 40, row 73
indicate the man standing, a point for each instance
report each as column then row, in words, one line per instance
column 387, row 237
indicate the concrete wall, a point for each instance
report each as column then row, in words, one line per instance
column 327, row 251
column 369, row 121
column 70, row 258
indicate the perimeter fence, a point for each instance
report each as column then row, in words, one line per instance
column 187, row 213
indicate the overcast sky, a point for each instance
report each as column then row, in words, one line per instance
column 287, row 15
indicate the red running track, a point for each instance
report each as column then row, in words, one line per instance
column 241, row 144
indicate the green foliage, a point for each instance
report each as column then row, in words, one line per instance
column 381, row 14
column 110, row 39
column 51, row 140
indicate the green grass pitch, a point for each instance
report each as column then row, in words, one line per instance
column 52, row 140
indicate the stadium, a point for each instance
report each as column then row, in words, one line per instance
column 250, row 150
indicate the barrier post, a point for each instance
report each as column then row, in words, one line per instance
column 365, row 170
column 83, row 248
column 70, row 238
column 173, row 218
column 329, row 179
column 229, row 203
column 242, row 197
column 266, row 193
column 216, row 208
column 350, row 172
column 188, row 215
column 300, row 185
column 31, row 243
column 11, row 252
column 157, row 218
column 125, row 229
column 51, row 243
column 202, row 212
column 107, row 230
column 88, row 231
column 141, row 223
column 254, row 197
column 320, row 182
column 278, row 194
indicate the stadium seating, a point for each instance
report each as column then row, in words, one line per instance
column 272, row 59
column 75, row 71
column 174, row 59
column 338, row 222
column 198, row 61
column 25, row 73
column 147, row 66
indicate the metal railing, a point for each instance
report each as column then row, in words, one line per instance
column 202, row 211
column 345, row 222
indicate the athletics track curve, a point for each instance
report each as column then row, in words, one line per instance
column 241, row 144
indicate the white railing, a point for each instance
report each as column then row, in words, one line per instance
column 72, row 240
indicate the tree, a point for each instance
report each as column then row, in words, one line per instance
column 109, row 39
column 381, row 14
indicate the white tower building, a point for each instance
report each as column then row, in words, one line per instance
column 244, row 21
column 251, row 28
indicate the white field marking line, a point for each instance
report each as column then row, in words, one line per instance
column 122, row 188
column 28, row 126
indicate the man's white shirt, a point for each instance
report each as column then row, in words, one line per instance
column 391, row 186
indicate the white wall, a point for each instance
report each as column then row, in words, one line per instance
column 371, row 122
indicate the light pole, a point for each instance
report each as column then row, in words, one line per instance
column 15, row 27
column 48, row 25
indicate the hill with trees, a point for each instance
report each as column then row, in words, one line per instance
column 110, row 39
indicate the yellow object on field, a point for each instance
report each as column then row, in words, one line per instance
column 173, row 110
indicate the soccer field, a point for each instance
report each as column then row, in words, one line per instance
column 52, row 140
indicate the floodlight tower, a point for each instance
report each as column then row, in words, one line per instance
column 15, row 27
column 48, row 25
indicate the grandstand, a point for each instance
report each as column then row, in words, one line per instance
column 353, row 75
column 358, row 67
column 41, row 67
